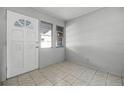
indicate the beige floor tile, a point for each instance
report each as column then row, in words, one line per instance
column 65, row 74
column 53, row 79
column 62, row 83
column 77, row 74
column 98, row 79
column 24, row 76
column 55, row 72
column 80, row 83
column 8, row 84
column 97, row 84
column 25, row 80
column 101, row 72
column 11, row 82
column 37, row 78
column 123, row 81
column 114, row 84
column 91, row 71
column 45, row 70
column 27, row 84
column 34, row 73
column 48, row 74
column 70, row 79
column 65, row 70
column 114, row 79
column 101, row 78
column 86, row 77
column 62, row 75
column 58, row 66
column 45, row 83
column 83, row 69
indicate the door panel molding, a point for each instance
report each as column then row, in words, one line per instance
column 22, row 35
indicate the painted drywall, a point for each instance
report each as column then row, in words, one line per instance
column 2, row 44
column 54, row 54
column 97, row 39
column 50, row 56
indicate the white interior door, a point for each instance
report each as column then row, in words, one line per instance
column 22, row 37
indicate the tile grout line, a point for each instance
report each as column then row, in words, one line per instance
column 68, row 75
column 46, row 78
column 122, row 80
column 32, row 79
column 65, row 80
column 106, row 78
column 80, row 74
column 92, row 78
column 18, row 81
column 65, row 76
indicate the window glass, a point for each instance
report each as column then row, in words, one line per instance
column 45, row 35
column 60, row 36
column 23, row 23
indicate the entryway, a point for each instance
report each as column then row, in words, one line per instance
column 22, row 44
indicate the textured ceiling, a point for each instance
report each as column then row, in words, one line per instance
column 66, row 13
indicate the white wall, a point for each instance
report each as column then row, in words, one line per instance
column 47, row 56
column 2, row 44
column 97, row 39
column 50, row 56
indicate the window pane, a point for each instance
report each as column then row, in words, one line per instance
column 46, row 35
column 60, row 37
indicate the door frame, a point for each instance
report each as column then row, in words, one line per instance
column 38, row 43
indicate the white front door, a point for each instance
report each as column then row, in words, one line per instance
column 22, row 38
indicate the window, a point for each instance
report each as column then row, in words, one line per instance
column 29, row 24
column 23, row 23
column 60, row 36
column 45, row 35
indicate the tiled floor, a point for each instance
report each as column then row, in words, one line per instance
column 65, row 74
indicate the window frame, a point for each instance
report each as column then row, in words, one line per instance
column 63, row 45
column 52, row 36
